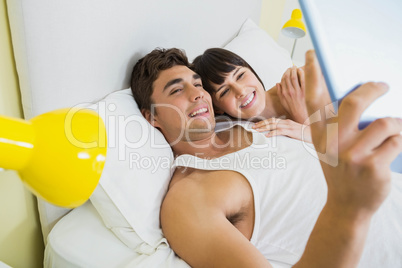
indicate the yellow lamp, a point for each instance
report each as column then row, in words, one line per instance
column 294, row 28
column 59, row 155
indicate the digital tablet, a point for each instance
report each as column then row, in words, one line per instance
column 359, row 41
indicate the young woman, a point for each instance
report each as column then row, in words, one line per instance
column 237, row 91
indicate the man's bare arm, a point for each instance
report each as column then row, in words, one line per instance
column 197, row 229
column 360, row 182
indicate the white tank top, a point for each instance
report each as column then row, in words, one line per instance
column 289, row 193
column 280, row 172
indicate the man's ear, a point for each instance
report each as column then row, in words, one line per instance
column 149, row 117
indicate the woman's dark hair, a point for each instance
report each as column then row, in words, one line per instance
column 147, row 70
column 214, row 65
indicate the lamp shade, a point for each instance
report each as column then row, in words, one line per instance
column 294, row 28
column 59, row 155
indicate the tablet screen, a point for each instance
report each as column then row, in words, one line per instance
column 356, row 42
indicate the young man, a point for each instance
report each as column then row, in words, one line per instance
column 226, row 207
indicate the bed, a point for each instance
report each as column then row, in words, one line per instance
column 80, row 53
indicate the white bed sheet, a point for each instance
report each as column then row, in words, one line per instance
column 80, row 239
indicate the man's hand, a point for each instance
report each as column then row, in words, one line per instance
column 361, row 180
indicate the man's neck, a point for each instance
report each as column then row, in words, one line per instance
column 204, row 146
column 216, row 144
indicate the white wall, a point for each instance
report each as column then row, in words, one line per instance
column 21, row 243
column 303, row 44
column 271, row 16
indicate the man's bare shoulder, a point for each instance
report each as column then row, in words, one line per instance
column 199, row 179
column 189, row 183
column 221, row 190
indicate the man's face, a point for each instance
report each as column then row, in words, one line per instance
column 182, row 108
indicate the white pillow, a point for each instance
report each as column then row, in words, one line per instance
column 136, row 174
column 265, row 56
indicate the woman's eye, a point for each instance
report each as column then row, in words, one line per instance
column 240, row 75
column 224, row 92
column 198, row 85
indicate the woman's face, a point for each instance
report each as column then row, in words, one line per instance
column 241, row 95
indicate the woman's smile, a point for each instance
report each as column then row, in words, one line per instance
column 248, row 101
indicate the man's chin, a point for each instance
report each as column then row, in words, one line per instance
column 201, row 125
column 198, row 130
column 195, row 133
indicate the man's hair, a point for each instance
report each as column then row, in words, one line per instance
column 147, row 70
column 214, row 65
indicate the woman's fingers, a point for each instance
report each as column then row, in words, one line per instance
column 295, row 79
column 273, row 133
column 300, row 74
column 284, row 127
column 291, row 131
column 265, row 122
column 314, row 89
column 285, row 77
column 275, row 123
column 290, row 81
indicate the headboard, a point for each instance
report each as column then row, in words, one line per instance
column 69, row 52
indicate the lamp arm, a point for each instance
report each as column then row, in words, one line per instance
column 293, row 49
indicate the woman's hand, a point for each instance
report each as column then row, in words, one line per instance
column 284, row 127
column 291, row 93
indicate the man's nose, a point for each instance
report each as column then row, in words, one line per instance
column 196, row 93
